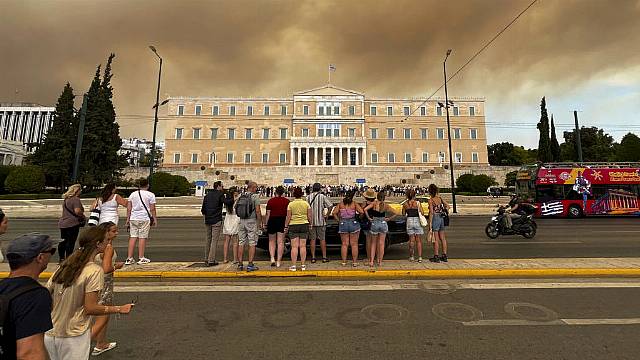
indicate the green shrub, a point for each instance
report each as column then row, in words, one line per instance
column 465, row 183
column 481, row 183
column 25, row 179
column 162, row 184
column 5, row 170
column 182, row 186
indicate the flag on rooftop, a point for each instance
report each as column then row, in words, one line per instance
column 332, row 67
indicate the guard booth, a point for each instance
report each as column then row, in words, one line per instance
column 201, row 185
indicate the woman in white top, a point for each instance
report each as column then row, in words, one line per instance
column 108, row 203
column 230, row 225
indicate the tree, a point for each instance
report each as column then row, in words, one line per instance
column 544, row 148
column 629, row 148
column 100, row 161
column 480, row 183
column 506, row 154
column 56, row 153
column 510, row 178
column 596, row 145
column 28, row 179
column 555, row 146
column 465, row 183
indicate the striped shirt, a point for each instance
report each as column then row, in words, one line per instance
column 318, row 202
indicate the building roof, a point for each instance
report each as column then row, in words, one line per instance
column 329, row 90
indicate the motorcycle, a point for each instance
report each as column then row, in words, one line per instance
column 524, row 225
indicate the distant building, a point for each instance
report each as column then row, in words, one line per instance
column 135, row 149
column 22, row 127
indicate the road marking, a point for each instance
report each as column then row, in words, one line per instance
column 528, row 242
column 559, row 322
column 548, row 285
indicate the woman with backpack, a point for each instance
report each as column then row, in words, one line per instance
column 349, row 227
column 437, row 211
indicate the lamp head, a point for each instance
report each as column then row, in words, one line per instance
column 153, row 48
column 448, row 52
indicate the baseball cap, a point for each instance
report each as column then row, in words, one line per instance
column 28, row 246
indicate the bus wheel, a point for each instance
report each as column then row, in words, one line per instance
column 574, row 212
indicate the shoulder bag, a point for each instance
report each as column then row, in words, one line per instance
column 82, row 221
column 423, row 219
column 151, row 220
column 94, row 215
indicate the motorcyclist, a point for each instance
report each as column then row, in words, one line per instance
column 512, row 212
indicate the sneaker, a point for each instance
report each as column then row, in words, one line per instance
column 130, row 261
column 411, row 259
column 325, row 260
column 303, row 267
column 444, row 258
column 435, row 259
column 209, row 264
column 420, row 259
column 143, row 260
column 292, row 268
column 251, row 267
column 240, row 267
column 313, row 261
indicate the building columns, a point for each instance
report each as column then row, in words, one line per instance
column 357, row 156
column 299, row 156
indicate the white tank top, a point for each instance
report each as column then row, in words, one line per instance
column 109, row 211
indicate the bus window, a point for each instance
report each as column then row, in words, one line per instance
column 546, row 193
column 571, row 194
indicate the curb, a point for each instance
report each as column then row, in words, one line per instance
column 380, row 274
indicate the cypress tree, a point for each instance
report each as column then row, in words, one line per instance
column 56, row 153
column 544, row 148
column 555, row 146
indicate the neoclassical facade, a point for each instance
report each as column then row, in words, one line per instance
column 323, row 127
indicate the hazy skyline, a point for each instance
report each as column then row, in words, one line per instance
column 580, row 54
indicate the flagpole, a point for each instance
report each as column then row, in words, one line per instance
column 329, row 83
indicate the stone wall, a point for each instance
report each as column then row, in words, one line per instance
column 275, row 175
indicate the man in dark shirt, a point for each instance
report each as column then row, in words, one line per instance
column 29, row 315
column 212, row 210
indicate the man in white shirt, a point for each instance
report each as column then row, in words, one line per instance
column 141, row 215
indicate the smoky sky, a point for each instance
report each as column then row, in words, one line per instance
column 275, row 48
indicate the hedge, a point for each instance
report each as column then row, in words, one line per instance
column 25, row 179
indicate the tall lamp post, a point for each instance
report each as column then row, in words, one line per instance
column 446, row 99
column 155, row 117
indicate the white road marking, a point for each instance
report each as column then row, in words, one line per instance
column 559, row 322
column 528, row 242
column 548, row 285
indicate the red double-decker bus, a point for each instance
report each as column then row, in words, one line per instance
column 582, row 189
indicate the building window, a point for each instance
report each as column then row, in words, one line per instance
column 336, row 110
column 196, row 133
column 231, row 133
column 283, row 110
column 212, row 158
column 474, row 157
column 249, row 110
column 425, row 157
column 441, row 156
column 374, row 133
column 198, row 109
column 458, row 157
column 472, row 111
column 391, row 157
column 247, row 158
column 248, row 134
column 305, row 110
column 179, row 133
column 407, row 133
column 440, row 133
column 391, row 133
column 176, row 158
column 374, row 158
column 423, row 111
column 267, row 110
column 229, row 158
column 283, row 133
column 265, row 158
column 456, row 111
column 321, row 111
column 406, row 110
column 194, row 158
column 215, row 110
column 457, row 133
column 473, row 134
column 232, row 110
column 329, row 130
column 439, row 111
column 352, row 110
column 214, row 133
column 180, row 110
column 305, row 132
column 265, row 133
column 352, row 132
column 407, row 157
column 283, row 158
column 389, row 110
column 373, row 111
column 424, row 133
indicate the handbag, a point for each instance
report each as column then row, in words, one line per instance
column 423, row 220
column 94, row 215
column 151, row 220
column 82, row 221
column 445, row 217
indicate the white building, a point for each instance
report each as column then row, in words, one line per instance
column 135, row 149
column 22, row 126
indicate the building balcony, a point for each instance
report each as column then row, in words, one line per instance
column 321, row 140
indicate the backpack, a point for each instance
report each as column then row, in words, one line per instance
column 245, row 206
column 5, row 301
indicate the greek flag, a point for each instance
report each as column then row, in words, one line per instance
column 332, row 67
column 551, row 208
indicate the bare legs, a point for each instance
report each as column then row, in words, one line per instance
column 377, row 248
column 272, row 247
column 344, row 248
column 439, row 239
column 99, row 331
column 230, row 240
column 142, row 243
column 415, row 241
column 298, row 246
column 280, row 252
column 353, row 241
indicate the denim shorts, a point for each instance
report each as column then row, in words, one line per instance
column 348, row 226
column 413, row 226
column 437, row 223
column 379, row 226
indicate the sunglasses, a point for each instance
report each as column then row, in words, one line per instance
column 50, row 251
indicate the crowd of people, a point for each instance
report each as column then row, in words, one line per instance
column 341, row 190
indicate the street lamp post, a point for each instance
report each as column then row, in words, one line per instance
column 80, row 138
column 446, row 100
column 155, row 117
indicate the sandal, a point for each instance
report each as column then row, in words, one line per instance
column 344, row 264
column 97, row 351
column 292, row 268
column 355, row 264
column 313, row 261
column 325, row 260
column 303, row 267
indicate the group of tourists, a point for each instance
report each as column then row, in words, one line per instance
column 335, row 191
column 304, row 218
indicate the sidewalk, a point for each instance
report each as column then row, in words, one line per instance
column 455, row 268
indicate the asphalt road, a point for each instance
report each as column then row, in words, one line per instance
column 414, row 323
column 182, row 239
